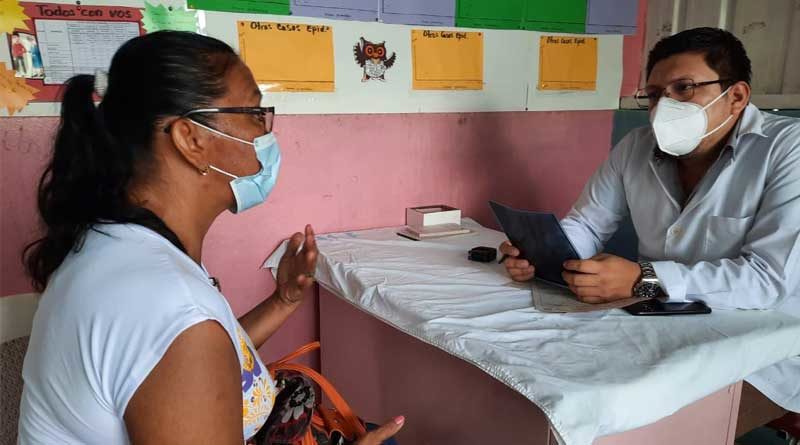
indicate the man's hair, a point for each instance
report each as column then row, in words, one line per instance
column 723, row 52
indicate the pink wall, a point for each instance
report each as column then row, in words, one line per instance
column 348, row 172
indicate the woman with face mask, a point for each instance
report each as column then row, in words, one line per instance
column 132, row 340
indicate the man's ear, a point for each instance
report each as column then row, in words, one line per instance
column 191, row 143
column 739, row 96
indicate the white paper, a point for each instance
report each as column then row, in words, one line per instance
column 71, row 47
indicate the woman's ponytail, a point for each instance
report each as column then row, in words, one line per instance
column 84, row 181
column 100, row 151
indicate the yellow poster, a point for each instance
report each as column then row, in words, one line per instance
column 447, row 60
column 288, row 56
column 568, row 63
column 11, row 16
column 14, row 92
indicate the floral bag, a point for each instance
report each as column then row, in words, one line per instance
column 298, row 418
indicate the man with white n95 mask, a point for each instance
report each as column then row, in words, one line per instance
column 713, row 189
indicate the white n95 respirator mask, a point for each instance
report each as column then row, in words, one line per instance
column 680, row 126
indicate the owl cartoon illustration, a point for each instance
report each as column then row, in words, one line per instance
column 372, row 57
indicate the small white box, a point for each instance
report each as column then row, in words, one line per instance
column 432, row 215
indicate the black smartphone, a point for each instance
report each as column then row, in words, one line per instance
column 656, row 307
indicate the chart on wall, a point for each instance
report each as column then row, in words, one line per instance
column 490, row 14
column 555, row 16
column 59, row 41
column 419, row 12
column 365, row 10
column 612, row 16
column 573, row 16
column 278, row 7
column 352, row 63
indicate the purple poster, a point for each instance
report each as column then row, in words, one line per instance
column 363, row 10
column 611, row 16
column 419, row 12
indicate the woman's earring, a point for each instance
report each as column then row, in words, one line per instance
column 204, row 170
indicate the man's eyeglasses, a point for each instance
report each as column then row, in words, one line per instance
column 265, row 115
column 681, row 90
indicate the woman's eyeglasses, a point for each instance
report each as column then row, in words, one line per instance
column 265, row 115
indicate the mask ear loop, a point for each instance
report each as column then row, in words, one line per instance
column 718, row 98
column 718, row 127
column 217, row 132
column 723, row 122
column 219, row 170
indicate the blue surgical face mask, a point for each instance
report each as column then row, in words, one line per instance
column 252, row 190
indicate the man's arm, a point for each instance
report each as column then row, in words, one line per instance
column 602, row 205
column 768, row 268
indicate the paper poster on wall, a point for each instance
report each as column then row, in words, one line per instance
column 419, row 12
column 568, row 63
column 72, row 47
column 160, row 17
column 612, row 16
column 364, row 10
column 67, row 39
column 447, row 60
column 492, row 14
column 14, row 92
column 290, row 57
column 12, row 16
column 277, row 7
column 556, row 16
column 374, row 59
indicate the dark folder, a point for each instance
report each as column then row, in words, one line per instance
column 540, row 239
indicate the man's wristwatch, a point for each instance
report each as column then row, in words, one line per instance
column 648, row 286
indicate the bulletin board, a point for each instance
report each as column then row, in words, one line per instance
column 69, row 38
column 335, row 60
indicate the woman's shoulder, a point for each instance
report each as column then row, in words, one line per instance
column 113, row 308
column 124, row 268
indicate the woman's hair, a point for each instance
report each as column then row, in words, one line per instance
column 99, row 152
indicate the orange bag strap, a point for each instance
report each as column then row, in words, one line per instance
column 308, row 438
column 313, row 346
column 317, row 420
column 352, row 425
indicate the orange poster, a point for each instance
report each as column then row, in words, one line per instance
column 288, row 56
column 14, row 92
column 447, row 60
column 568, row 63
